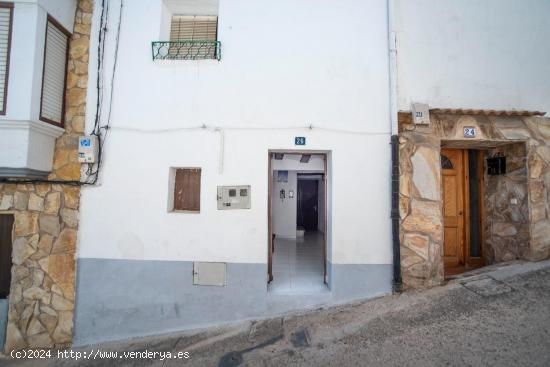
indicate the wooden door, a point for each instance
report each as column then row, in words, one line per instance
column 452, row 168
column 308, row 205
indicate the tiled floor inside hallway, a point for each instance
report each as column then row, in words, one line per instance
column 298, row 265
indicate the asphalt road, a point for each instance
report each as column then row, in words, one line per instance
column 497, row 318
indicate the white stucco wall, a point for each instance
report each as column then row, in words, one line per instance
column 489, row 54
column 283, row 67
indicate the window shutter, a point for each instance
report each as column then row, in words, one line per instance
column 6, row 13
column 187, row 189
column 194, row 28
column 53, row 79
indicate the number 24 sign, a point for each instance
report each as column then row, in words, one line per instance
column 469, row 132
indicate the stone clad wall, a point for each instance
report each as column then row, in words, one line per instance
column 41, row 299
column 420, row 209
column 42, row 293
column 507, row 207
column 538, row 164
column 512, row 231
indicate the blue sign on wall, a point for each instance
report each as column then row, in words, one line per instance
column 300, row 140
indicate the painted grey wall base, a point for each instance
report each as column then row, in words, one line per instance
column 3, row 321
column 119, row 299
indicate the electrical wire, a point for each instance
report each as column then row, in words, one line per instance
column 251, row 128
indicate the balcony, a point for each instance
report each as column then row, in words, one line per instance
column 186, row 50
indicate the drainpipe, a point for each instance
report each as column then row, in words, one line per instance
column 395, row 213
column 392, row 50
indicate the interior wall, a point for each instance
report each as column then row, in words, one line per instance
column 284, row 210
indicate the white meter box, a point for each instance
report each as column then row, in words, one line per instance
column 87, row 149
column 233, row 197
column 421, row 114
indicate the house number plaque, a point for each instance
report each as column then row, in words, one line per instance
column 469, row 132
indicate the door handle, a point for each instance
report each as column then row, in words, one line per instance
column 460, row 212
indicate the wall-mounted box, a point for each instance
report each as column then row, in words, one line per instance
column 420, row 113
column 209, row 273
column 87, row 149
column 496, row 165
column 233, row 197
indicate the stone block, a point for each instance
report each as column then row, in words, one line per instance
column 42, row 189
column 50, row 224
column 14, row 338
column 44, row 246
column 541, row 234
column 536, row 165
column 64, row 329
column 425, row 217
column 36, row 202
column 26, row 223
column 417, row 243
column 71, row 196
column 61, row 304
column 69, row 217
column 21, row 200
column 61, row 267
column 66, row 242
column 40, row 341
column 21, row 251
column 70, row 171
column 52, row 203
column 7, row 202
column 48, row 321
column 79, row 47
column 504, row 229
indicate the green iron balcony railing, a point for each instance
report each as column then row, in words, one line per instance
column 186, row 50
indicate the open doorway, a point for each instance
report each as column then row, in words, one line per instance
column 297, row 223
column 463, row 184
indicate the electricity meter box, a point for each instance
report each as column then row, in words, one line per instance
column 233, row 197
column 420, row 113
column 87, row 149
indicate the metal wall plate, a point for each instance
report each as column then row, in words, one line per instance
column 209, row 273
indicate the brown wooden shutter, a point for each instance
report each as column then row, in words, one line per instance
column 194, row 28
column 6, row 14
column 6, row 226
column 187, row 189
column 54, row 73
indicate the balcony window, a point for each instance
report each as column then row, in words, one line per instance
column 192, row 37
column 52, row 103
column 6, row 14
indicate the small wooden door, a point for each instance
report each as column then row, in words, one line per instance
column 452, row 168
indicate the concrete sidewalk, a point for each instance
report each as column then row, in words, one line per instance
column 497, row 316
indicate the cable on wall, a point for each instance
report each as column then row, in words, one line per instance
column 251, row 128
